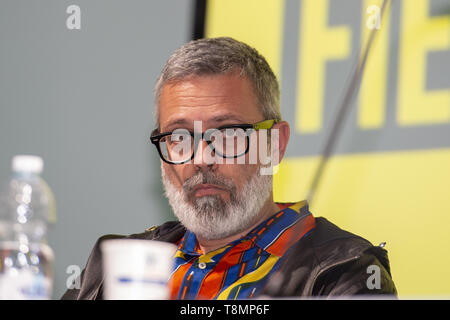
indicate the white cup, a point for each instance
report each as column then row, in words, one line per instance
column 137, row 269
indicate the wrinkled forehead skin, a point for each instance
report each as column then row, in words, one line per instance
column 214, row 100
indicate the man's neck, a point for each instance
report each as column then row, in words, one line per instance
column 269, row 209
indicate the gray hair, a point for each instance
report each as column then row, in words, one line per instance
column 216, row 56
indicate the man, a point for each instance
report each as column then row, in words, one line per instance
column 217, row 117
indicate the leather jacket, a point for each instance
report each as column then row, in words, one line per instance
column 328, row 262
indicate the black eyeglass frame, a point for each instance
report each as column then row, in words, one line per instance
column 265, row 124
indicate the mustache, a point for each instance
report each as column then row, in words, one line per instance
column 207, row 177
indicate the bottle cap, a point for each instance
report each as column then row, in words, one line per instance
column 27, row 163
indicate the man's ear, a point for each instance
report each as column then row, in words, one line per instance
column 283, row 139
column 279, row 137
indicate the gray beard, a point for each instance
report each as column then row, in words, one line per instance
column 210, row 217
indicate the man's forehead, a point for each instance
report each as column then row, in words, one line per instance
column 211, row 99
column 204, row 87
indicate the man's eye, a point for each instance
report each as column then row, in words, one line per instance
column 229, row 133
column 233, row 133
column 177, row 138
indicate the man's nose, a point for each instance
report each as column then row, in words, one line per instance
column 203, row 154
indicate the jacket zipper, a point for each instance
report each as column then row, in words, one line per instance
column 329, row 268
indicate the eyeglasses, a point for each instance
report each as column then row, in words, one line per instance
column 229, row 141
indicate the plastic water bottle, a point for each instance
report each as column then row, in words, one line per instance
column 26, row 208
